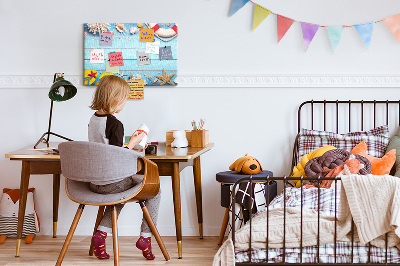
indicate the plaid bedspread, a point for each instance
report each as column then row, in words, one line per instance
column 326, row 252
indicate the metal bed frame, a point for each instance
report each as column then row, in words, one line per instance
column 338, row 106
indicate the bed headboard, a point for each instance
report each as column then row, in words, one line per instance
column 347, row 116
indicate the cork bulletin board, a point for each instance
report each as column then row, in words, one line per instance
column 145, row 51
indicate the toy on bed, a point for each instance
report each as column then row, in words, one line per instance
column 246, row 165
column 9, row 205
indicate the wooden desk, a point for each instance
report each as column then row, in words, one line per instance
column 170, row 162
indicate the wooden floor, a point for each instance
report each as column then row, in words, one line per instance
column 44, row 250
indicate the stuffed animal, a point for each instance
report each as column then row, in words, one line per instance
column 246, row 165
column 180, row 140
column 9, row 205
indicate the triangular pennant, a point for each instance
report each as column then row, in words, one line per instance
column 393, row 23
column 236, row 5
column 335, row 35
column 365, row 32
column 260, row 13
column 309, row 31
column 283, row 25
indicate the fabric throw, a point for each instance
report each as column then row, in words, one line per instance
column 373, row 202
column 377, row 139
column 244, row 201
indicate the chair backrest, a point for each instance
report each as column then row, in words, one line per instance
column 93, row 162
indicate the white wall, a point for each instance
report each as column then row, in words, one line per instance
column 40, row 38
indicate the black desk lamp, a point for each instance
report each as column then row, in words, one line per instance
column 61, row 90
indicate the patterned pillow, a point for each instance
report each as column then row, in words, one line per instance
column 377, row 140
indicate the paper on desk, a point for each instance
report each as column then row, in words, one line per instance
column 44, row 149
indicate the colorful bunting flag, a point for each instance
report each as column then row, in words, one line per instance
column 335, row 35
column 283, row 25
column 393, row 23
column 309, row 31
column 236, row 5
column 365, row 32
column 260, row 13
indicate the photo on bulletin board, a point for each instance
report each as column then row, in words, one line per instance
column 145, row 51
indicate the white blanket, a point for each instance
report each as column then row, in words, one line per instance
column 373, row 202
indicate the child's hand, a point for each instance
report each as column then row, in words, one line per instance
column 141, row 150
column 135, row 139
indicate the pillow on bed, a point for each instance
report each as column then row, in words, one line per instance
column 380, row 166
column 394, row 143
column 377, row 139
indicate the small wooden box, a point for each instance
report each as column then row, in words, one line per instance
column 200, row 138
column 170, row 138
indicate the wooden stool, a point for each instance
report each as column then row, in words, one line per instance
column 229, row 178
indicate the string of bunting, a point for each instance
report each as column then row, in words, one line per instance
column 309, row 30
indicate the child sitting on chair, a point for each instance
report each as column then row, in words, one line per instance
column 110, row 98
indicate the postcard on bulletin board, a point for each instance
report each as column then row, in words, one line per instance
column 146, row 51
column 137, row 89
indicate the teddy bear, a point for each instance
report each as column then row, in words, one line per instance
column 180, row 140
column 9, row 205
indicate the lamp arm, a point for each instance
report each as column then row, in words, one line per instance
column 51, row 114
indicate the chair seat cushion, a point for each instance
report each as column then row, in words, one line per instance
column 80, row 192
column 230, row 177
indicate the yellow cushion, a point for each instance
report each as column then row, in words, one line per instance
column 298, row 170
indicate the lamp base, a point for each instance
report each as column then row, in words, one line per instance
column 45, row 139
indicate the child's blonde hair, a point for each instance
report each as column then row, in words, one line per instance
column 109, row 93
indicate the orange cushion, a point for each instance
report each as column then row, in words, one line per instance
column 380, row 166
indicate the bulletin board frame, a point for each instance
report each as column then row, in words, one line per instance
column 145, row 51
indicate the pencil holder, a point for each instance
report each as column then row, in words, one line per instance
column 199, row 138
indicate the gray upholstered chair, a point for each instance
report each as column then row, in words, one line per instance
column 83, row 162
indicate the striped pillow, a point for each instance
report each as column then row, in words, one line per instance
column 377, row 140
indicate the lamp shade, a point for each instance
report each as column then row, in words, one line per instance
column 62, row 90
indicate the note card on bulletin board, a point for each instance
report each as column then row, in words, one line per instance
column 146, row 51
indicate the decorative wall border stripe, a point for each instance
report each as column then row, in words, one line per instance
column 306, row 81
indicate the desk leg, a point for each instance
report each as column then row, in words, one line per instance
column 25, row 175
column 56, row 199
column 197, row 187
column 176, row 190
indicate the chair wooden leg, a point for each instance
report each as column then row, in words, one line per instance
column 223, row 227
column 98, row 220
column 70, row 234
column 154, row 230
column 115, row 235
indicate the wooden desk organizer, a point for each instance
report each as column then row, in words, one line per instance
column 200, row 138
column 196, row 138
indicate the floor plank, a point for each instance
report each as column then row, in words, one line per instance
column 44, row 251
